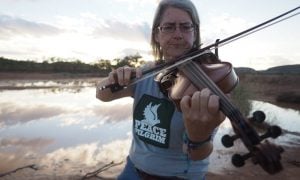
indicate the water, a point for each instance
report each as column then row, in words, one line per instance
column 61, row 127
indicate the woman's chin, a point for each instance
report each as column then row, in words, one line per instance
column 175, row 55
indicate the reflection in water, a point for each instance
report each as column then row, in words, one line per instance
column 62, row 132
column 59, row 83
column 286, row 118
column 72, row 160
column 14, row 113
column 22, row 142
column 20, row 151
column 71, row 132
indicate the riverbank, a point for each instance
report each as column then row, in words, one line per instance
column 269, row 87
column 290, row 161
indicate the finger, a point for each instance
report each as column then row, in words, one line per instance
column 222, row 117
column 138, row 73
column 190, row 89
column 120, row 74
column 112, row 76
column 205, row 94
column 213, row 104
column 127, row 74
column 185, row 103
column 180, row 90
column 196, row 101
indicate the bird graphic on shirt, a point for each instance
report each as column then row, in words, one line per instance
column 150, row 114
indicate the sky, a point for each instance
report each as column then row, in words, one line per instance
column 90, row 30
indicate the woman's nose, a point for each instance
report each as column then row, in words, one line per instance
column 177, row 33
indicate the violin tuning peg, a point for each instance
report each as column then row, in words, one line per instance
column 227, row 140
column 258, row 117
column 273, row 132
column 239, row 160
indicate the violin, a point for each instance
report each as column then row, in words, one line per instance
column 220, row 78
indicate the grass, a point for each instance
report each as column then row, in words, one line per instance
column 241, row 98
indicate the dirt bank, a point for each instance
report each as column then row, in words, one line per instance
column 267, row 87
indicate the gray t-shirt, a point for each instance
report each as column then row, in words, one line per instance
column 158, row 135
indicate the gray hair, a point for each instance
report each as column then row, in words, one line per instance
column 185, row 5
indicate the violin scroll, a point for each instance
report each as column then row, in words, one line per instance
column 266, row 154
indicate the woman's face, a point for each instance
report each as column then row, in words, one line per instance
column 177, row 43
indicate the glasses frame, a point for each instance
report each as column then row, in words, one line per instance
column 173, row 27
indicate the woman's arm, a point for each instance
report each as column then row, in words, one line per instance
column 107, row 95
column 119, row 76
column 199, row 153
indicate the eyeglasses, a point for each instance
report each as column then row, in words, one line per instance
column 171, row 27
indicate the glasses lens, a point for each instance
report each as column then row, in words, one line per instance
column 170, row 28
column 186, row 27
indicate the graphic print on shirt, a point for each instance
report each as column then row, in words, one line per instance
column 152, row 118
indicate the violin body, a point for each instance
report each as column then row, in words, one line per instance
column 222, row 74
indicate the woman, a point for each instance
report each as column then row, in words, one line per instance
column 168, row 142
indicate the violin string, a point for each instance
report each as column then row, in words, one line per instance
column 193, row 71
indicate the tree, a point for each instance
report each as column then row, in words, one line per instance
column 104, row 64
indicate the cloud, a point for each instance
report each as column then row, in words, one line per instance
column 70, row 122
column 267, row 61
column 22, row 0
column 90, row 24
column 15, row 26
column 131, row 51
column 222, row 26
column 91, row 154
column 83, row 157
column 15, row 152
column 139, row 2
column 11, row 113
column 109, row 112
column 23, row 142
column 22, row 39
column 121, row 30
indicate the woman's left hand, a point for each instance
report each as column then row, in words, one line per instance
column 201, row 114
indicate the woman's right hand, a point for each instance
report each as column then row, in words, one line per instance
column 123, row 75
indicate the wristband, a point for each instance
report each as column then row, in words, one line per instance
column 192, row 145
